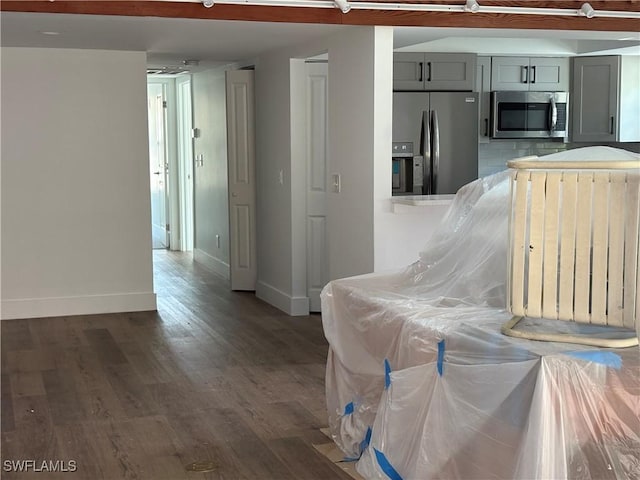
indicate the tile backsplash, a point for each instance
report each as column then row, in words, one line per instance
column 493, row 156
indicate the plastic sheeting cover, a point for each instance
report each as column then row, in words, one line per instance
column 435, row 391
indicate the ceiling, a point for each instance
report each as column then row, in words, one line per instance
column 520, row 42
column 170, row 41
column 167, row 41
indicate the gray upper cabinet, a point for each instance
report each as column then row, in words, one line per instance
column 434, row 71
column 549, row 74
column 509, row 73
column 483, row 87
column 606, row 99
column 408, row 71
column 450, row 71
column 534, row 74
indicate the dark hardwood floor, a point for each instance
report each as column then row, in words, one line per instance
column 214, row 376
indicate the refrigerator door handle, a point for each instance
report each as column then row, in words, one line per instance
column 436, row 151
column 425, row 151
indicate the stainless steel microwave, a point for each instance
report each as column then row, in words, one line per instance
column 529, row 114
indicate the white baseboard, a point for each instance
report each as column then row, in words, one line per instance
column 85, row 305
column 215, row 264
column 294, row 306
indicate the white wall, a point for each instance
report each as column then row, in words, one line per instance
column 211, row 202
column 351, row 152
column 76, row 223
column 273, row 199
column 387, row 226
column 299, row 187
column 400, row 233
column 360, row 95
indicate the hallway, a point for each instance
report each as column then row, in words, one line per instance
column 214, row 376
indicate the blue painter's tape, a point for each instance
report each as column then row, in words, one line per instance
column 386, row 466
column 440, row 357
column 387, row 374
column 610, row 359
column 367, row 439
column 363, row 444
column 348, row 409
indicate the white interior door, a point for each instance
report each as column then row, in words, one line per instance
column 158, row 164
column 316, row 106
column 242, row 179
column 185, row 162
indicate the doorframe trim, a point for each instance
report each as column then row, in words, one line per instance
column 186, row 207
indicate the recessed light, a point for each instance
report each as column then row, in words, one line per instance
column 50, row 33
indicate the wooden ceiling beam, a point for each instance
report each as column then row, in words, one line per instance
column 354, row 17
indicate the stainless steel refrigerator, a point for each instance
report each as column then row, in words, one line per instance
column 443, row 127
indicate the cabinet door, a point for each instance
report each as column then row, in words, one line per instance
column 449, row 71
column 510, row 73
column 483, row 87
column 595, row 99
column 408, row 71
column 549, row 74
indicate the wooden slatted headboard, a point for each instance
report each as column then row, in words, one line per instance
column 574, row 245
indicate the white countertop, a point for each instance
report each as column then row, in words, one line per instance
column 423, row 200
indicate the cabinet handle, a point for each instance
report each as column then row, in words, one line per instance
column 429, row 67
column 486, row 127
column 533, row 74
column 420, row 64
column 525, row 74
column 613, row 125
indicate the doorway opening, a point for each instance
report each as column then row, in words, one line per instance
column 158, row 164
column 169, row 106
column 202, row 169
